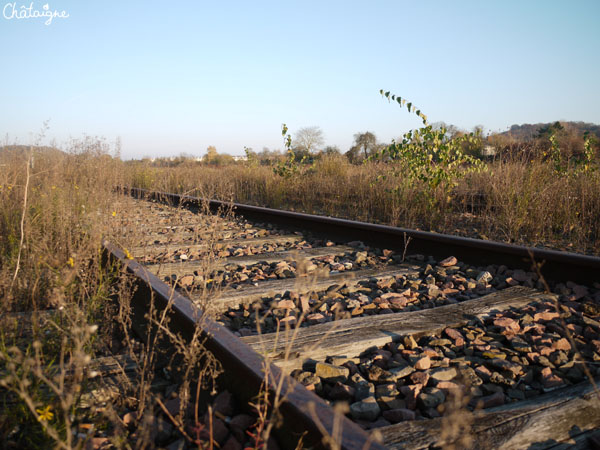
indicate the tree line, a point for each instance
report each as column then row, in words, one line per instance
column 519, row 142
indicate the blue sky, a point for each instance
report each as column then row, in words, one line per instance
column 173, row 77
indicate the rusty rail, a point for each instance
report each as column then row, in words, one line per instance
column 556, row 266
column 241, row 363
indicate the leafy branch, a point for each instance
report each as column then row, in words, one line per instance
column 291, row 166
column 571, row 166
column 430, row 155
column 402, row 102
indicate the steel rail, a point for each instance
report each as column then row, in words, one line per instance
column 555, row 265
column 244, row 368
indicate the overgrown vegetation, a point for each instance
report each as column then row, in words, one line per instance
column 431, row 157
column 543, row 191
column 72, row 373
column 54, row 293
column 59, row 304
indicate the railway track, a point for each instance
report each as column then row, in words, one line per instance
column 415, row 339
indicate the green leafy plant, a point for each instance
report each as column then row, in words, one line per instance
column 555, row 156
column 429, row 155
column 585, row 164
column 291, row 166
column 251, row 158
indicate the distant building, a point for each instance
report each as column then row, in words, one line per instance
column 489, row 150
column 240, row 158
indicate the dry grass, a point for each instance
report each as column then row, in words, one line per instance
column 63, row 309
column 520, row 202
column 53, row 290
column 59, row 305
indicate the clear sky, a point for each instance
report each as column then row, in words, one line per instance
column 172, row 77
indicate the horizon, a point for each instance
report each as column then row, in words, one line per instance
column 111, row 148
column 173, row 80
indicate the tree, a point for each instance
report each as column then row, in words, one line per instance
column 211, row 153
column 353, row 155
column 451, row 130
column 550, row 129
column 479, row 130
column 268, row 157
column 367, row 142
column 214, row 158
column 331, row 150
column 309, row 139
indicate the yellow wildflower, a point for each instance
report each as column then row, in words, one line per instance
column 127, row 254
column 114, row 214
column 45, row 414
column 70, row 262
